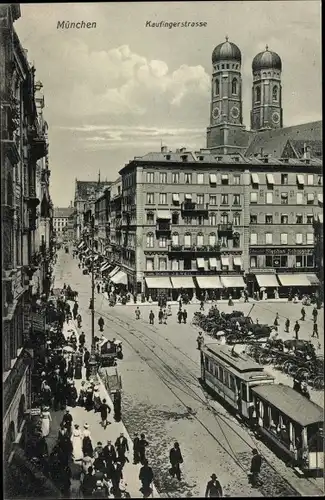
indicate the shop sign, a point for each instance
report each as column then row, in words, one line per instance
column 281, row 251
column 38, row 321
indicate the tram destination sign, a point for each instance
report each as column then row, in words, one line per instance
column 281, row 251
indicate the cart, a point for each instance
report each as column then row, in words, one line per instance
column 111, row 380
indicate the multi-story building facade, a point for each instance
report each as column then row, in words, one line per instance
column 23, row 145
column 84, row 190
column 102, row 222
column 61, row 218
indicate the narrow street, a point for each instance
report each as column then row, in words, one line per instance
column 162, row 397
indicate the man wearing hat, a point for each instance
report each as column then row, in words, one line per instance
column 213, row 488
column 255, row 467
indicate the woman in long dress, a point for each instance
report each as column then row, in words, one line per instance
column 77, row 444
column 97, row 399
column 46, row 419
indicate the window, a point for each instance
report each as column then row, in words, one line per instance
column 310, row 179
column 163, row 198
column 253, row 261
column 275, row 93
column 212, row 239
column 284, row 179
column 200, row 220
column 225, row 179
column 200, row 240
column 276, row 261
column 257, row 94
column 309, row 218
column 284, row 198
column 269, row 198
column 319, row 180
column 310, row 261
column 217, row 87
column 299, row 238
column 200, row 178
column 299, row 219
column 212, row 220
column 253, row 197
column 213, row 179
column 175, row 239
column 188, row 221
column 268, row 238
column 253, row 239
column 224, row 199
column 284, row 219
column 236, row 180
column 236, row 200
column 175, row 218
column 253, row 219
column 284, row 238
column 150, row 177
column 188, row 178
column 300, row 199
column 163, row 177
column 224, row 241
column 162, row 264
column 234, row 86
column 310, row 238
column 187, row 240
column 213, row 200
column 150, row 198
column 149, row 264
column 200, row 199
column 236, row 219
column 162, row 242
column 150, row 240
column 175, row 265
column 175, row 177
column 310, row 198
column 268, row 219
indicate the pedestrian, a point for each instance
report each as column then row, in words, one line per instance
column 184, row 316
column 46, row 394
column 101, row 324
column 160, row 316
column 165, row 316
column 136, row 452
column 104, row 410
column 46, row 419
column 169, row 310
column 87, row 446
column 91, row 304
column 137, row 313
column 116, row 476
column 303, row 314
column 82, row 339
column 245, row 296
column 109, row 453
column 117, row 400
column 315, row 330
column 76, row 440
column 88, row 484
column 86, row 357
column 98, row 288
column 79, row 321
column 89, row 404
column 96, row 399
column 230, row 301
column 65, row 481
column 143, row 443
column 146, row 478
column 202, row 305
column 179, row 316
column 122, row 447
column 276, row 321
column 256, row 464
column 213, row 489
column 86, row 464
column 315, row 314
column 67, row 422
column 78, row 367
column 98, row 449
column 175, row 458
column 151, row 318
column 296, row 329
column 287, row 325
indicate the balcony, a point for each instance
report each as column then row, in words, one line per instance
column 225, row 228
column 191, row 206
column 194, row 249
column 163, row 227
column 38, row 147
column 11, row 145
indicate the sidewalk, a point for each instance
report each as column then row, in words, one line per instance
column 112, row 432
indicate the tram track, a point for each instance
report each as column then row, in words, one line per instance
column 184, row 385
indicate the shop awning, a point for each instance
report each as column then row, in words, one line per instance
column 188, row 197
column 104, row 267
column 164, row 215
column 158, row 282
column 176, row 197
column 320, row 197
column 182, row 282
column 320, row 218
column 225, row 261
column 81, row 245
column 314, row 281
column 213, row 179
column 210, row 282
column 300, row 179
column 270, row 178
column 294, row 279
column 267, row 280
column 120, row 278
column 213, row 262
column 255, row 179
column 233, row 281
column 238, row 262
column 200, row 263
column 114, row 271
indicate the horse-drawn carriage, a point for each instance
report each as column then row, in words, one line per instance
column 70, row 294
column 109, row 351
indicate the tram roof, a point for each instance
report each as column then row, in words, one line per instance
column 291, row 403
column 240, row 362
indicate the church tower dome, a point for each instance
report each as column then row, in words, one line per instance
column 226, row 51
column 267, row 110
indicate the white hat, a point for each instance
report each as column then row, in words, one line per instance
column 86, row 426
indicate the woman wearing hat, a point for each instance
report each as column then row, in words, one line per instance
column 96, row 398
column 77, row 444
column 46, row 419
column 87, row 447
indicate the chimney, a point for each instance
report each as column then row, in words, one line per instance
column 163, row 149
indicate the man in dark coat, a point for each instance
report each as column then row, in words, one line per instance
column 255, row 467
column 296, row 329
column 315, row 314
column 86, row 357
column 315, row 330
column 184, row 316
column 151, row 318
column 287, row 325
column 303, row 314
column 213, row 489
column 143, row 443
column 82, row 339
column 146, row 478
column 109, row 453
column 67, row 421
column 175, row 458
column 121, row 446
column 136, row 453
column 101, row 324
column 160, row 316
column 179, row 316
column 104, row 411
column 117, row 406
column 88, row 484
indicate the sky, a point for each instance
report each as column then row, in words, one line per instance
column 118, row 90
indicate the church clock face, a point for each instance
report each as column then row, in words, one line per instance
column 234, row 112
column 275, row 117
column 216, row 113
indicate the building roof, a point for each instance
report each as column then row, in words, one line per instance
column 273, row 142
column 63, row 212
column 226, row 51
column 86, row 188
column 266, row 60
column 291, row 403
